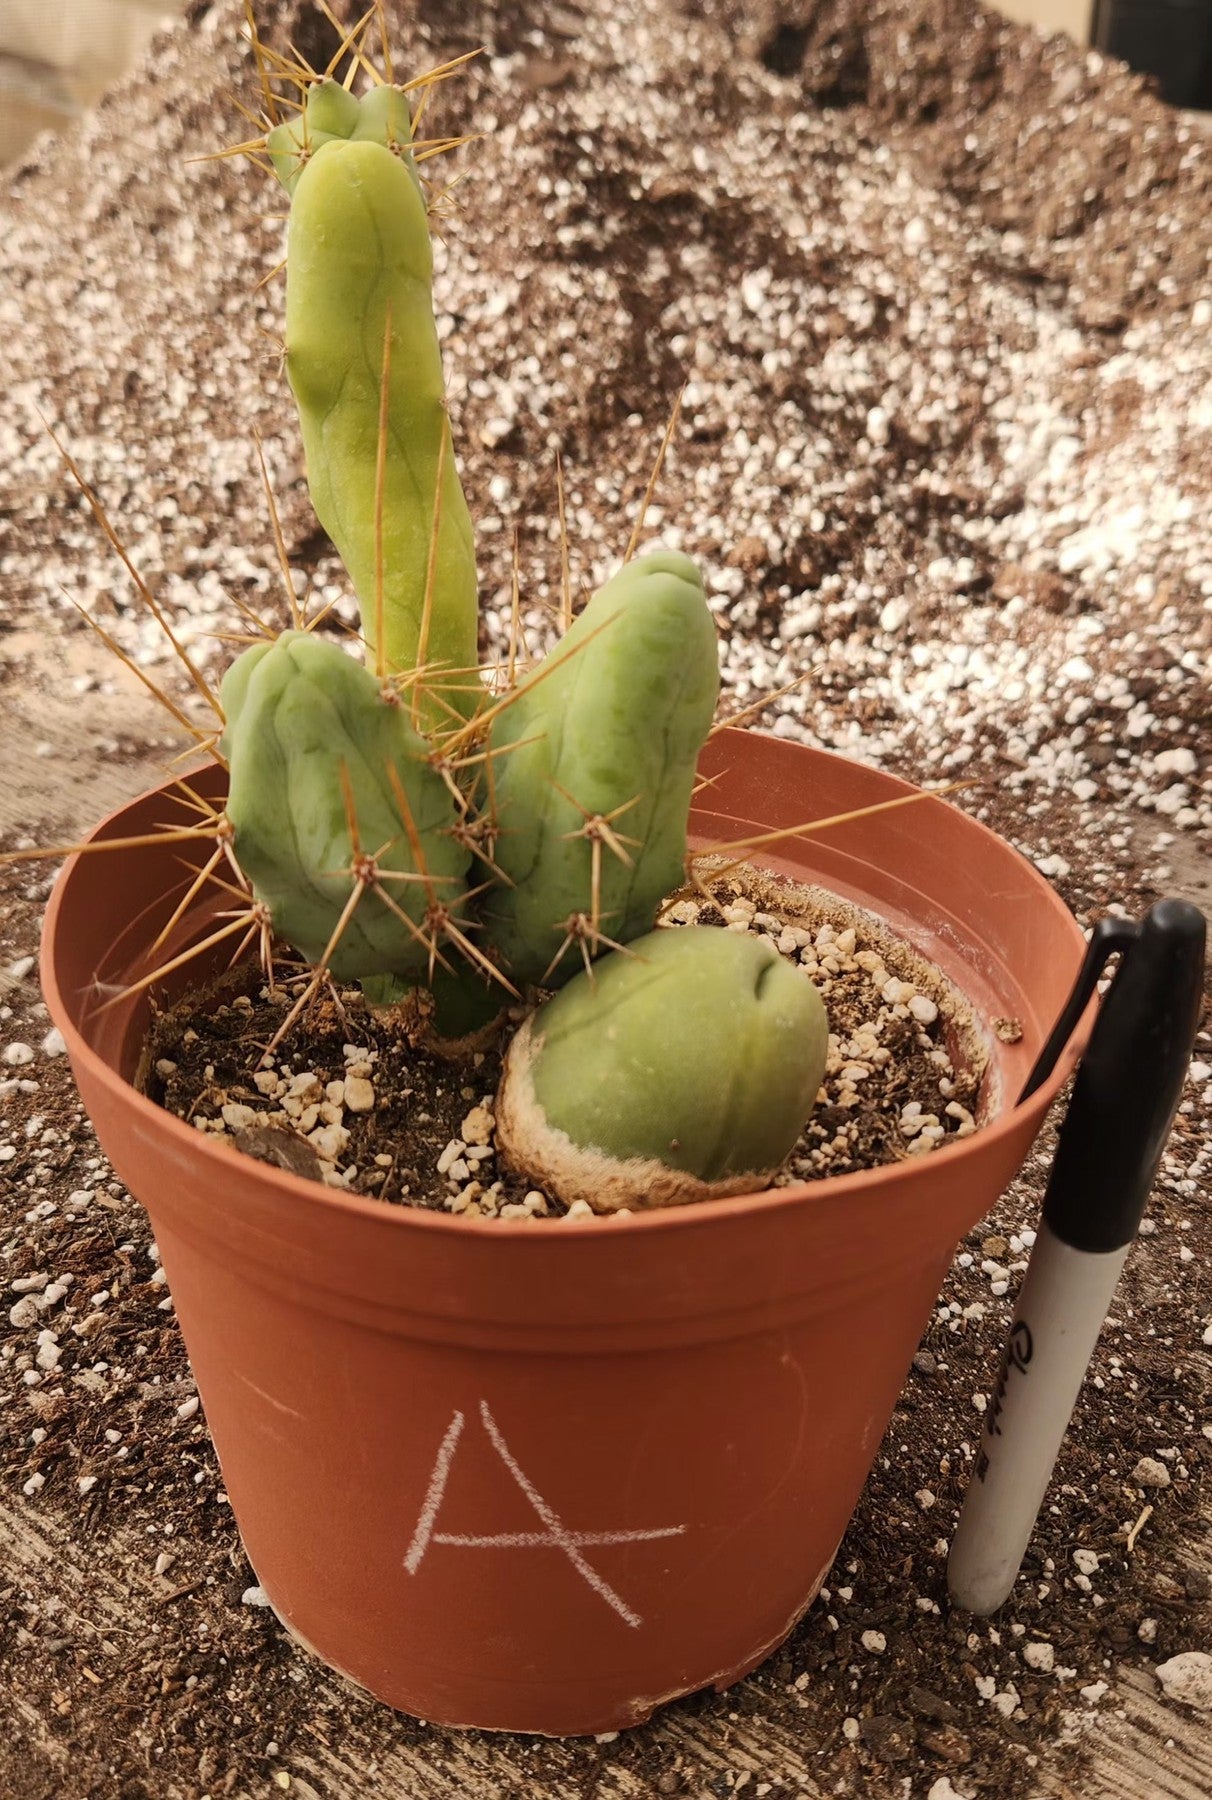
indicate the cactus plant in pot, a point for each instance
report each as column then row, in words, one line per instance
column 521, row 1473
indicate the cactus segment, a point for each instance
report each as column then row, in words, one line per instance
column 592, row 799
column 329, row 111
column 683, row 1070
column 359, row 290
column 310, row 738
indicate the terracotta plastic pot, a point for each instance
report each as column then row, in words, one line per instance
column 545, row 1477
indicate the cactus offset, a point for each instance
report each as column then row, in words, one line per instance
column 592, row 797
column 325, row 769
column 363, row 360
column 683, row 1070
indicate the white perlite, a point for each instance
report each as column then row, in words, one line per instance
column 1187, row 1678
column 1149, row 1473
column 359, row 1094
column 943, row 1790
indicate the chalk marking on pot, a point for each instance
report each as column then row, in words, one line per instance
column 280, row 1405
column 433, row 1495
column 537, row 1540
column 555, row 1535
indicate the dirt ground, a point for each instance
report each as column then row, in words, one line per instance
column 941, row 290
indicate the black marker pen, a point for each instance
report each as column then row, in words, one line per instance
column 1124, row 1100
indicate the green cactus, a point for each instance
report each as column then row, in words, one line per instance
column 362, row 357
column 680, row 1065
column 683, row 1070
column 592, row 771
column 312, row 739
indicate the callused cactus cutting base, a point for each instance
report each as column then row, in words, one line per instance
column 682, row 1070
column 579, row 1172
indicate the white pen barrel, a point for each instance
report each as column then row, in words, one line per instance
column 1059, row 1313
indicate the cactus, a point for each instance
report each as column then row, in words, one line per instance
column 363, row 361
column 326, row 769
column 683, row 1070
column 593, row 767
column 680, row 1064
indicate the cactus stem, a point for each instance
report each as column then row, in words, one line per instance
column 431, row 565
column 380, row 475
column 279, row 540
column 438, row 917
column 637, row 529
column 410, row 828
column 364, row 865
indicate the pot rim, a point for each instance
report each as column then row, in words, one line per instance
column 299, row 1191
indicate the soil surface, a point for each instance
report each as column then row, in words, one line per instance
column 941, row 291
column 362, row 1100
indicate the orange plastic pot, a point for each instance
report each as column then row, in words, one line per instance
column 545, row 1477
